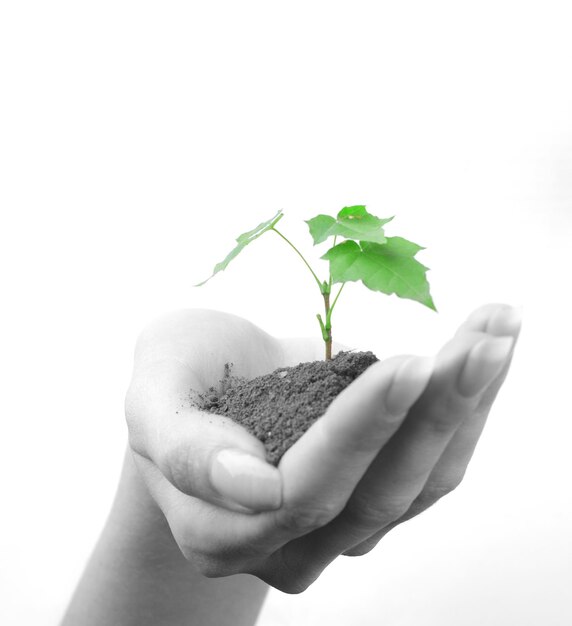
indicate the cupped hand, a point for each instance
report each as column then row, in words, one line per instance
column 390, row 445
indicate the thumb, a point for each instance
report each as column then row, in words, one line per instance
column 203, row 455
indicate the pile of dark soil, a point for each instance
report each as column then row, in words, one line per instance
column 279, row 407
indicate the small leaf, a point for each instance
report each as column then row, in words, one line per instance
column 243, row 240
column 389, row 268
column 352, row 222
column 321, row 227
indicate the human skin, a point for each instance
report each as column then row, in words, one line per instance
column 201, row 524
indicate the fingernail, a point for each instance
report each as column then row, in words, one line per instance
column 408, row 384
column 246, row 480
column 483, row 364
column 506, row 321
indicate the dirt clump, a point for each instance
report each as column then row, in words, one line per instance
column 278, row 408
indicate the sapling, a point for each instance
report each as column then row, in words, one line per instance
column 381, row 263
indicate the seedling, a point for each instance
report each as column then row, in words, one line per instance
column 384, row 264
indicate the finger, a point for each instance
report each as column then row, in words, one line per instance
column 445, row 477
column 502, row 320
column 321, row 470
column 495, row 320
column 396, row 477
column 202, row 455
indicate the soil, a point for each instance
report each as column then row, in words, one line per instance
column 279, row 407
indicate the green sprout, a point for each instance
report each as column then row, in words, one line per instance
column 381, row 263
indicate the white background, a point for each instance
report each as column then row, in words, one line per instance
column 137, row 139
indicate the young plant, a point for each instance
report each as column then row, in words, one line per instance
column 381, row 263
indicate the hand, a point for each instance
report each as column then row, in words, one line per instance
column 390, row 445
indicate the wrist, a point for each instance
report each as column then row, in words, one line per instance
column 137, row 574
column 134, row 511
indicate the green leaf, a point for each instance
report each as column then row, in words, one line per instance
column 242, row 241
column 389, row 268
column 352, row 222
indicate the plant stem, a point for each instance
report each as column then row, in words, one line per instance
column 325, row 290
column 300, row 255
column 336, row 299
column 328, row 327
